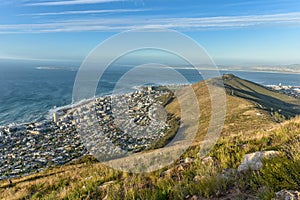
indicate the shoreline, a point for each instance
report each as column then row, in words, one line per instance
column 49, row 113
column 49, row 116
column 38, row 145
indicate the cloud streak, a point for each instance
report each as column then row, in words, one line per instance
column 80, row 12
column 181, row 24
column 70, row 2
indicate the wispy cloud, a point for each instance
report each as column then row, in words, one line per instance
column 119, row 24
column 79, row 12
column 69, row 2
column 34, row 59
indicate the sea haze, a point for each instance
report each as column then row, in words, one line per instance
column 29, row 92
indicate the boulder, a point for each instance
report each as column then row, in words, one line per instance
column 253, row 161
column 287, row 195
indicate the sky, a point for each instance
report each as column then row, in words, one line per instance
column 234, row 32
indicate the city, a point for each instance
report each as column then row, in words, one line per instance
column 288, row 90
column 33, row 147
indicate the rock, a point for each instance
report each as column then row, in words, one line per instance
column 287, row 195
column 197, row 178
column 207, row 160
column 166, row 173
column 195, row 197
column 253, row 161
column 188, row 160
column 180, row 168
column 89, row 178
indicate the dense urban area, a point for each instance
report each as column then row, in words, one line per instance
column 288, row 90
column 107, row 127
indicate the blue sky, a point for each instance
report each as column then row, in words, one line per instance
column 234, row 32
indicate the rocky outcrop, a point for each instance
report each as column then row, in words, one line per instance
column 287, row 195
column 253, row 161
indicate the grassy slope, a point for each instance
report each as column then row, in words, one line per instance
column 262, row 96
column 244, row 132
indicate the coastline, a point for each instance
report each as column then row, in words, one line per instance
column 32, row 146
column 47, row 114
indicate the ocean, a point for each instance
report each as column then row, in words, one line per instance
column 29, row 93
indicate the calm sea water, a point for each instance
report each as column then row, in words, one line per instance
column 28, row 94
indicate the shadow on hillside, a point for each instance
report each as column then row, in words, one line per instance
column 268, row 103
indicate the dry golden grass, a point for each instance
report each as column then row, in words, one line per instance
column 242, row 116
column 58, row 182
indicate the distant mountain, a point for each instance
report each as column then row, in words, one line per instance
column 293, row 68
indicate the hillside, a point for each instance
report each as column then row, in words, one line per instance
column 246, row 102
column 251, row 125
column 265, row 98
